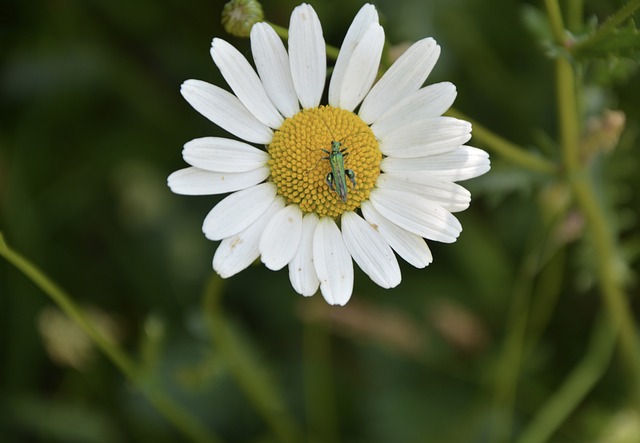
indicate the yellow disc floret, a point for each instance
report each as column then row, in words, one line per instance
column 300, row 159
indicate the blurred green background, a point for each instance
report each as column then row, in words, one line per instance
column 466, row 350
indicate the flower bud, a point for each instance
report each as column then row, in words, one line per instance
column 238, row 16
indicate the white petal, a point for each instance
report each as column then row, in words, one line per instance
column 237, row 211
column 272, row 62
column 223, row 155
column 361, row 23
column 430, row 101
column 370, row 250
column 449, row 195
column 307, row 55
column 237, row 252
column 333, row 263
column 302, row 273
column 416, row 214
column 431, row 136
column 244, row 82
column 225, row 110
column 404, row 77
column 411, row 247
column 362, row 69
column 196, row 181
column 281, row 238
column 461, row 164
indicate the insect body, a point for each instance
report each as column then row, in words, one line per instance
column 337, row 178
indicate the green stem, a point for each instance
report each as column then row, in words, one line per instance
column 64, row 302
column 246, row 371
column 547, row 292
column 610, row 24
column 174, row 413
column 508, row 371
column 614, row 297
column 578, row 384
column 180, row 418
column 555, row 18
column 568, row 115
column 332, row 51
column 505, row 148
column 575, row 12
column 515, row 346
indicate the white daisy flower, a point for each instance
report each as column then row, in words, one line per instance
column 396, row 159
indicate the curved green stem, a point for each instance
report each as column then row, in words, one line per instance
column 246, row 371
column 547, row 292
column 510, row 361
column 64, row 302
column 515, row 344
column 505, row 148
column 577, row 385
column 173, row 412
column 613, row 295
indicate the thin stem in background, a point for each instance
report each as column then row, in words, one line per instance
column 514, row 348
column 578, row 384
column 510, row 151
column 510, row 360
column 248, row 373
column 172, row 411
column 546, row 295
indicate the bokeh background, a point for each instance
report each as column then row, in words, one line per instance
column 466, row 350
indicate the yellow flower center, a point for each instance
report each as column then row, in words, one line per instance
column 300, row 162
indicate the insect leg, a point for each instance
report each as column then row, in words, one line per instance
column 352, row 176
column 330, row 181
column 319, row 160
